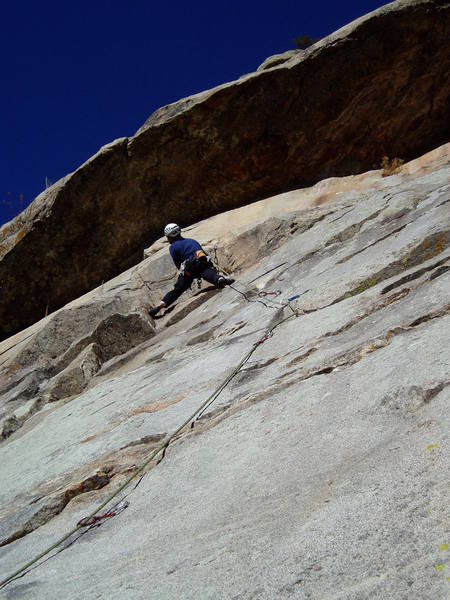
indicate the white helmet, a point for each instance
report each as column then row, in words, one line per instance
column 172, row 230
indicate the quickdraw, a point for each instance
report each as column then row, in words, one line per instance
column 268, row 335
column 95, row 520
column 274, row 293
column 98, row 519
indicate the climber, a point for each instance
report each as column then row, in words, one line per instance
column 192, row 262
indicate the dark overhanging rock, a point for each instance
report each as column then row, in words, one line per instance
column 379, row 86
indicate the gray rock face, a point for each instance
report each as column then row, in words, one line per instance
column 379, row 86
column 278, row 59
column 321, row 470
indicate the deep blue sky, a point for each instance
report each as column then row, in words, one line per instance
column 76, row 75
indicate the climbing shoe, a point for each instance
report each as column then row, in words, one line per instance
column 223, row 281
column 154, row 311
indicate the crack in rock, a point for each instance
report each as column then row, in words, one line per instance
column 71, row 374
column 415, row 275
column 351, row 357
column 14, row 422
column 377, row 241
column 54, row 505
column 410, row 399
column 432, row 245
column 303, row 356
column 352, row 230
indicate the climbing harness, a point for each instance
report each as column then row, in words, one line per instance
column 196, row 262
column 200, row 255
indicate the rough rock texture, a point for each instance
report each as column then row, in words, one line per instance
column 322, row 469
column 379, row 86
column 278, row 59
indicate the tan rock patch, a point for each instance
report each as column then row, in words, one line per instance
column 157, row 406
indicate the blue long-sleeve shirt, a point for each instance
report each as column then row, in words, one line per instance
column 184, row 249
